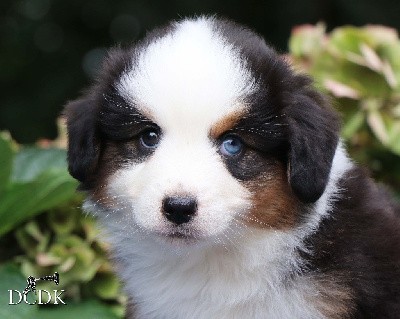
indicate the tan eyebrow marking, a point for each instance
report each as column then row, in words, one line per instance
column 146, row 112
column 225, row 124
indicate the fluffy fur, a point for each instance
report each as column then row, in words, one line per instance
column 287, row 228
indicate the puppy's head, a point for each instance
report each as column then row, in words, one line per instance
column 198, row 129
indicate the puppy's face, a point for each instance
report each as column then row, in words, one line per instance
column 199, row 130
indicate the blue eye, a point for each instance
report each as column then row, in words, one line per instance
column 150, row 138
column 231, row 146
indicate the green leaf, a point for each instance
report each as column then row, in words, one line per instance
column 306, row 40
column 11, row 278
column 64, row 221
column 21, row 201
column 348, row 39
column 39, row 181
column 353, row 124
column 386, row 129
column 31, row 239
column 86, row 310
column 6, row 156
column 30, row 162
column 391, row 53
column 376, row 123
column 106, row 286
column 393, row 130
column 382, row 34
column 369, row 83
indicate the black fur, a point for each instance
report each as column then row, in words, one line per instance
column 83, row 146
column 360, row 242
column 313, row 136
column 84, row 138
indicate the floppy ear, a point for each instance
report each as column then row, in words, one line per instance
column 83, row 148
column 313, row 137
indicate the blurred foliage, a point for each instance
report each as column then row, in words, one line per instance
column 31, row 181
column 42, row 231
column 360, row 69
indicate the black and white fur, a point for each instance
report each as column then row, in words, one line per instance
column 290, row 228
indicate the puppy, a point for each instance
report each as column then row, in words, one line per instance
column 220, row 180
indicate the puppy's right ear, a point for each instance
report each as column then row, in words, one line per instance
column 83, row 148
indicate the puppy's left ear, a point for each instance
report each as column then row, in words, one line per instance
column 313, row 138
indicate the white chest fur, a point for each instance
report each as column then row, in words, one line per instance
column 255, row 277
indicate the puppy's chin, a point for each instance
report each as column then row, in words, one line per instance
column 190, row 237
column 178, row 240
column 180, row 237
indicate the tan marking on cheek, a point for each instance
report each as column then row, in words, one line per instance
column 274, row 204
column 100, row 195
column 108, row 165
column 225, row 124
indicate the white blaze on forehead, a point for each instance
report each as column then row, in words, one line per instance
column 185, row 82
column 192, row 75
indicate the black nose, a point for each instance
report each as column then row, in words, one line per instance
column 179, row 210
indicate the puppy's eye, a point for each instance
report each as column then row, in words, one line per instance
column 231, row 146
column 150, row 138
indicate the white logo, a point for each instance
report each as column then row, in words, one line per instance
column 31, row 287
